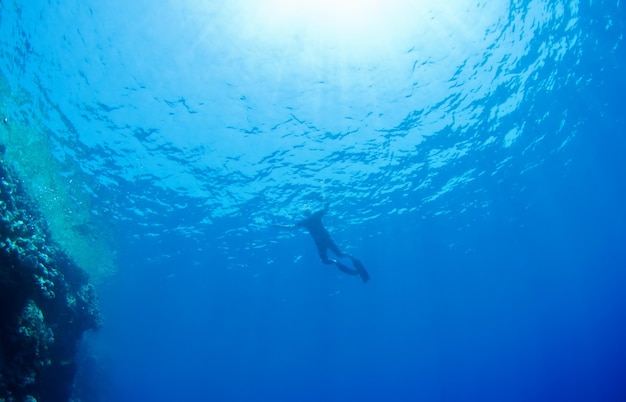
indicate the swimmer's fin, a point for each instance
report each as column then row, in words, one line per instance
column 345, row 269
column 360, row 269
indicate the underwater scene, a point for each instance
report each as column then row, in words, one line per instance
column 274, row 200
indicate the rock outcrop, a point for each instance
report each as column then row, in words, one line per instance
column 46, row 303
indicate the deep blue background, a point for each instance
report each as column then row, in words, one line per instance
column 527, row 305
column 524, row 301
column 488, row 206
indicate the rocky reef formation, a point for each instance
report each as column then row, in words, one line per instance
column 46, row 303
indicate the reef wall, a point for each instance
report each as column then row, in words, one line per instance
column 46, row 302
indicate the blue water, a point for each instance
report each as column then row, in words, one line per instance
column 472, row 154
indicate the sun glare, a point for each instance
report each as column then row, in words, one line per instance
column 364, row 33
column 350, row 25
column 327, row 18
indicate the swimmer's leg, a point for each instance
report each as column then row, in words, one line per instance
column 323, row 253
column 345, row 269
column 336, row 250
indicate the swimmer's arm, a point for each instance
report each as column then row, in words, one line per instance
column 322, row 212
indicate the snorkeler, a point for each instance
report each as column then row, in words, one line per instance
column 321, row 237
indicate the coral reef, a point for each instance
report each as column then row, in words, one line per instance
column 46, row 302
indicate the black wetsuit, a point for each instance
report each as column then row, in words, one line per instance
column 321, row 237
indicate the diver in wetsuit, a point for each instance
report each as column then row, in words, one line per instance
column 323, row 241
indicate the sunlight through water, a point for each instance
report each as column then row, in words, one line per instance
column 467, row 154
column 370, row 30
column 246, row 107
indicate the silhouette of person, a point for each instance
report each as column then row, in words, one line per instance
column 313, row 223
